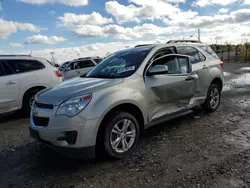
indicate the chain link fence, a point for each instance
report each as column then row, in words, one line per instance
column 233, row 53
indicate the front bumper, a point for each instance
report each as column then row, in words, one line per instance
column 67, row 134
column 82, row 152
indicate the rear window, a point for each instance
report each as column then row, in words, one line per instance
column 209, row 50
column 21, row 66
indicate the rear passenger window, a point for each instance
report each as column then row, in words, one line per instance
column 21, row 66
column 1, row 70
column 86, row 64
column 7, row 69
column 195, row 55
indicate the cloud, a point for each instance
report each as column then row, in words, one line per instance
column 204, row 3
column 144, row 9
column 95, row 49
column 122, row 33
column 223, row 10
column 89, row 31
column 247, row 2
column 41, row 39
column 15, row 45
column 70, row 19
column 238, row 16
column 91, row 47
column 122, row 13
column 9, row 27
column 245, row 35
column 74, row 3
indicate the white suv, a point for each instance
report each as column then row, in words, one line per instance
column 79, row 67
column 21, row 77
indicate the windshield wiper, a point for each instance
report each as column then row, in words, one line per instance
column 102, row 76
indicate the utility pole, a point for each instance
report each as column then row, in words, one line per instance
column 52, row 54
column 199, row 35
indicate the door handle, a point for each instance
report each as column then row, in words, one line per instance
column 78, row 72
column 11, row 83
column 205, row 67
column 189, row 78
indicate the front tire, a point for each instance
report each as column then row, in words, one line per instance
column 213, row 98
column 121, row 135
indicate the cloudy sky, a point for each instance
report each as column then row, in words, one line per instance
column 96, row 27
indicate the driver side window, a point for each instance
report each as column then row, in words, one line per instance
column 176, row 65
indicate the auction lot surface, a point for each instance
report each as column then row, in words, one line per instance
column 198, row 150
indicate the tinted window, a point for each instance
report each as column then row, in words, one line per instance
column 75, row 65
column 82, row 64
column 192, row 52
column 1, row 69
column 209, row 50
column 20, row 66
column 86, row 64
column 97, row 60
column 7, row 69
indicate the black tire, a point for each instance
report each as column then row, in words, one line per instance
column 207, row 105
column 115, row 118
column 26, row 101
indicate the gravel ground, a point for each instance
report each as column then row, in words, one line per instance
column 197, row 150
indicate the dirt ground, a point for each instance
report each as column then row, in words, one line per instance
column 198, row 150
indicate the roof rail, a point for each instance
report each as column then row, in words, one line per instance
column 141, row 45
column 182, row 41
column 14, row 55
column 87, row 57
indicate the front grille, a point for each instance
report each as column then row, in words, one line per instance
column 43, row 105
column 40, row 121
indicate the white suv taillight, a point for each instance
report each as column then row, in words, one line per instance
column 58, row 74
column 222, row 64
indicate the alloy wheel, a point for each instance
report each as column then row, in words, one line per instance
column 123, row 136
column 214, row 98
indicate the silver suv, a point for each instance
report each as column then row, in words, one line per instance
column 127, row 92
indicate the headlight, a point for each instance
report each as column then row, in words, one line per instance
column 73, row 106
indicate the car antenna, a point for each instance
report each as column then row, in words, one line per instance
column 30, row 53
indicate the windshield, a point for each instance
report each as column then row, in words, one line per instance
column 120, row 65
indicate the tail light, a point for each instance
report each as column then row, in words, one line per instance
column 58, row 74
column 222, row 64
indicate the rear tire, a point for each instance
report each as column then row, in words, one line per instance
column 213, row 98
column 28, row 99
column 121, row 135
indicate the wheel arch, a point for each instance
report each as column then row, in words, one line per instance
column 125, row 107
column 41, row 87
column 218, row 82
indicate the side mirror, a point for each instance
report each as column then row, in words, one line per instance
column 157, row 70
column 56, row 65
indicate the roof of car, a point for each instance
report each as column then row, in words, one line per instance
column 21, row 57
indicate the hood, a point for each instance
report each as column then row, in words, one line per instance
column 73, row 88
